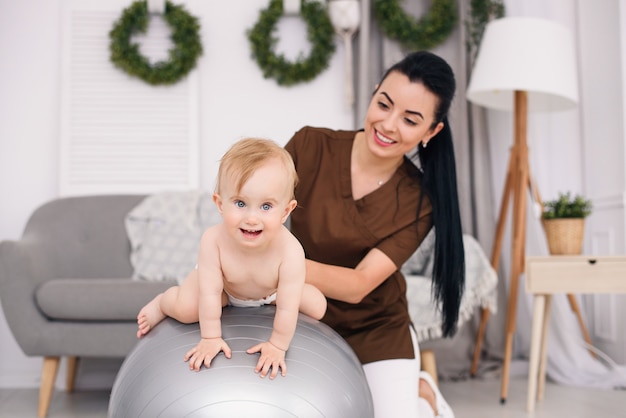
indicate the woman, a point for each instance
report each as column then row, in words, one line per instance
column 364, row 208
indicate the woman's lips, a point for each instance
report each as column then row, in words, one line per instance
column 383, row 140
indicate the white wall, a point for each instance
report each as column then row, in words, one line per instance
column 603, row 57
column 235, row 101
column 29, row 74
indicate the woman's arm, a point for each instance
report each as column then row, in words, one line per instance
column 351, row 284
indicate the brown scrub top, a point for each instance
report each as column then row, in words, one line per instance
column 338, row 230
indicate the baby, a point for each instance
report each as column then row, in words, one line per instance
column 249, row 259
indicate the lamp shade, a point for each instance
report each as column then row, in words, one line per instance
column 526, row 54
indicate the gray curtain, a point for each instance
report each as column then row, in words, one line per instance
column 373, row 54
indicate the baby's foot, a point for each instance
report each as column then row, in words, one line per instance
column 149, row 316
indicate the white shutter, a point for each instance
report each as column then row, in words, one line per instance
column 120, row 134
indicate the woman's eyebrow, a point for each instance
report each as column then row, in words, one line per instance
column 416, row 113
column 387, row 96
column 412, row 112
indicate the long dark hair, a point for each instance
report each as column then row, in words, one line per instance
column 439, row 183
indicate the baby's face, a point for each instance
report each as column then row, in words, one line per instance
column 254, row 214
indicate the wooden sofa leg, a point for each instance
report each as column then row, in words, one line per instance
column 48, row 376
column 427, row 359
column 72, row 369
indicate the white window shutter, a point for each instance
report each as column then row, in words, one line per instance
column 120, row 134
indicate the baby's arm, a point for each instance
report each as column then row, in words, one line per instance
column 288, row 295
column 211, row 285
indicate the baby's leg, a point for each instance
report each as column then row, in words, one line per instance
column 149, row 316
column 181, row 302
column 313, row 302
column 178, row 302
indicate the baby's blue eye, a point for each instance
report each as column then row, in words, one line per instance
column 266, row 206
column 240, row 204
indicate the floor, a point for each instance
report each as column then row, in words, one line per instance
column 475, row 398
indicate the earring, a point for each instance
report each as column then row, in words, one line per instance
column 424, row 144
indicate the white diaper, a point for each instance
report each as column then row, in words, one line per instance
column 250, row 303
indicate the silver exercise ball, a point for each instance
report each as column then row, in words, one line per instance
column 324, row 377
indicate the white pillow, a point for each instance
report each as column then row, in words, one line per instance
column 421, row 261
column 165, row 230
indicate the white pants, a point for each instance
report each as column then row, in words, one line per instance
column 394, row 387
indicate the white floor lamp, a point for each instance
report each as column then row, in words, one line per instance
column 524, row 65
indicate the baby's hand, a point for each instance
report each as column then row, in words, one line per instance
column 205, row 351
column 271, row 357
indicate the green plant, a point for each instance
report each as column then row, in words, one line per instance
column 481, row 13
column 320, row 33
column 430, row 30
column 567, row 207
column 182, row 57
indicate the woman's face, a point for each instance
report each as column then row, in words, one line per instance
column 400, row 116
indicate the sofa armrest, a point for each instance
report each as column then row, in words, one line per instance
column 72, row 237
column 17, row 287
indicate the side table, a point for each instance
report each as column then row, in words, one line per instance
column 547, row 275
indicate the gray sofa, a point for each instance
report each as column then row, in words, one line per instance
column 65, row 286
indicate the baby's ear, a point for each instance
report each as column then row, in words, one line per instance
column 217, row 199
column 289, row 208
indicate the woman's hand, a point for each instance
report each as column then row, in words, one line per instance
column 205, row 351
column 271, row 357
column 350, row 285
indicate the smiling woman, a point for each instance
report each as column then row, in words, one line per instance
column 402, row 113
column 364, row 208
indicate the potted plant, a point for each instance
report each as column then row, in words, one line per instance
column 564, row 222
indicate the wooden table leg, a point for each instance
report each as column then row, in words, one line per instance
column 544, row 348
column 535, row 346
column 581, row 322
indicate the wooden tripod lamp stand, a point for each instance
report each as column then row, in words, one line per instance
column 523, row 64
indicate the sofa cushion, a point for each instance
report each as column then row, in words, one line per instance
column 422, row 260
column 96, row 299
column 165, row 230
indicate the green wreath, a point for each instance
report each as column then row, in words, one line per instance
column 320, row 33
column 429, row 31
column 182, row 57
